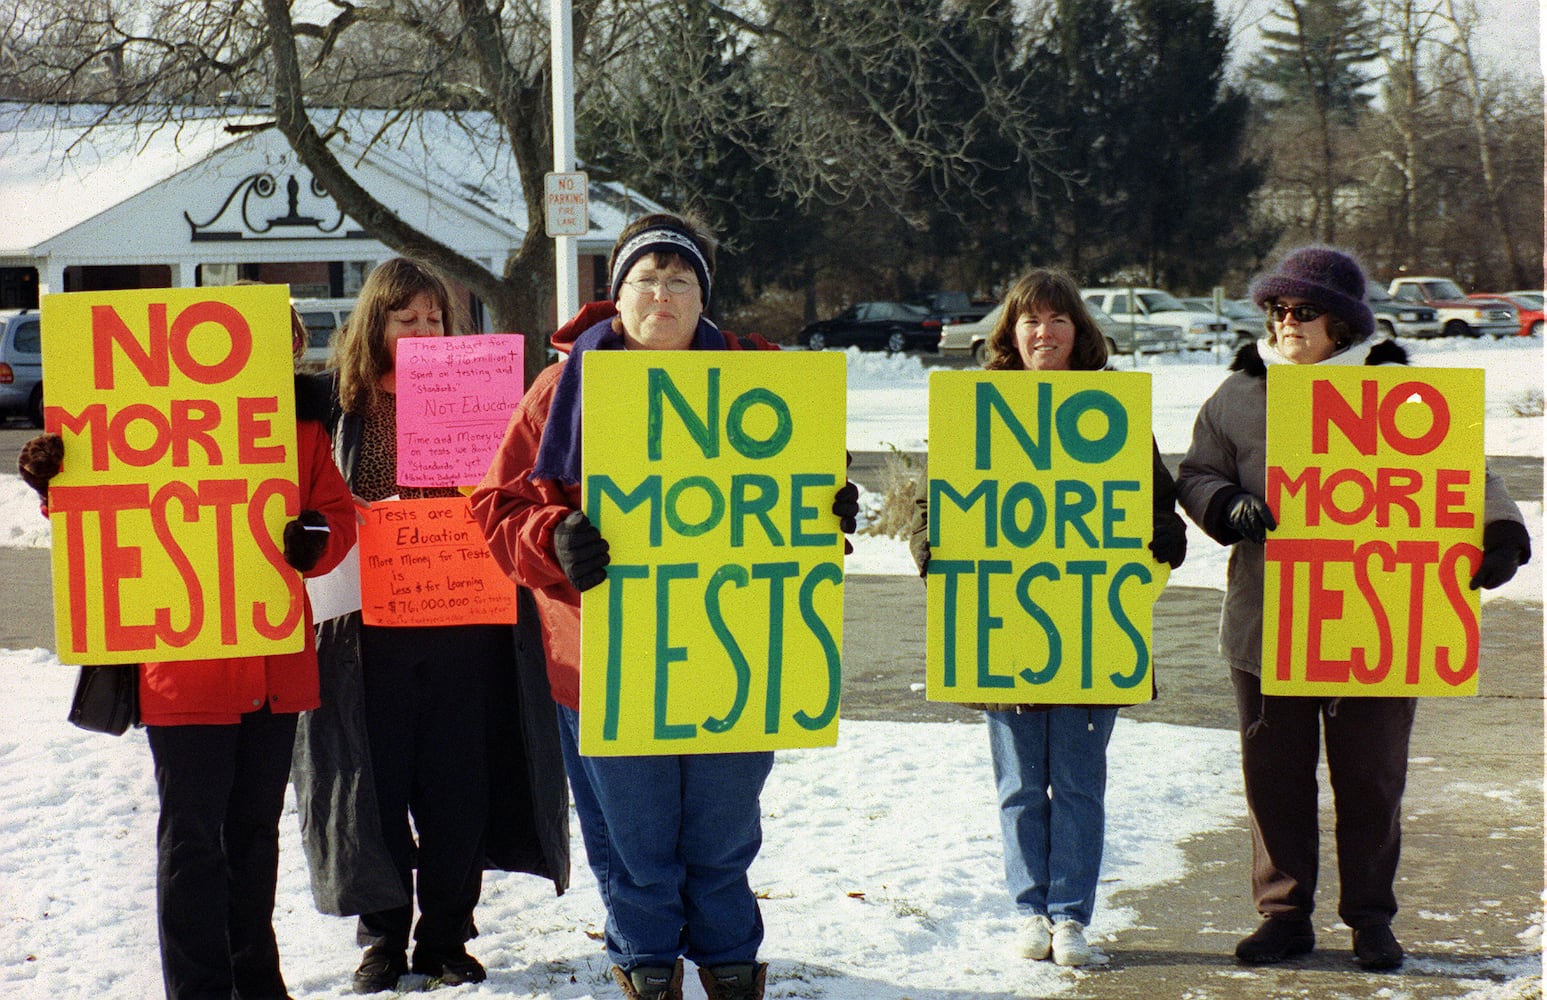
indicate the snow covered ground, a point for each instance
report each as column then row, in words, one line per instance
column 880, row 869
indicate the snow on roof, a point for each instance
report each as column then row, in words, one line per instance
column 54, row 178
column 63, row 165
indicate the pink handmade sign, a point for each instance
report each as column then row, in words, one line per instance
column 454, row 398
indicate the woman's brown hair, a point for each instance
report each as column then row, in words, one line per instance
column 360, row 354
column 1045, row 288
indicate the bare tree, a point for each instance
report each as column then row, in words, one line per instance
column 1462, row 18
column 1408, row 29
column 842, row 114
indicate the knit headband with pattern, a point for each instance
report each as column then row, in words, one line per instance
column 660, row 240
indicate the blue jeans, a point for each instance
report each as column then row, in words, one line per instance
column 670, row 840
column 1050, row 767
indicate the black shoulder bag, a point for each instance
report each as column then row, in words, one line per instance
column 107, row 698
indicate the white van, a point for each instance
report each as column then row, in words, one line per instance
column 1201, row 330
column 323, row 318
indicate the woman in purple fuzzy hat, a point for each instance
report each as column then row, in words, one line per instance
column 1316, row 316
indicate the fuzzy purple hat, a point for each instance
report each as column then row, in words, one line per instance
column 1326, row 277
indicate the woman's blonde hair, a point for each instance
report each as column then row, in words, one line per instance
column 1045, row 288
column 360, row 352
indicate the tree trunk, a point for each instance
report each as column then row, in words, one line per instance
column 1477, row 106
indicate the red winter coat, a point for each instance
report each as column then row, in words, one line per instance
column 219, row 691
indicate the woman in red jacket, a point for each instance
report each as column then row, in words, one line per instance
column 220, row 734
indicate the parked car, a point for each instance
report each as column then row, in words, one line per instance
column 1245, row 320
column 1200, row 330
column 1396, row 318
column 21, row 364
column 323, row 318
column 1459, row 316
column 953, row 307
column 1528, row 308
column 891, row 326
column 1122, row 337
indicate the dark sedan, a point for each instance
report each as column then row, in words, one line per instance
column 888, row 326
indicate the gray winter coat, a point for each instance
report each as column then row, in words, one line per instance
column 1228, row 455
column 351, row 871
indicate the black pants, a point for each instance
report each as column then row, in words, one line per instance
column 426, row 703
column 1367, row 764
column 217, row 854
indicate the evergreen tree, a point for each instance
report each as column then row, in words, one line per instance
column 1315, row 89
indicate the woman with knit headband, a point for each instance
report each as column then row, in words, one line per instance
column 669, row 838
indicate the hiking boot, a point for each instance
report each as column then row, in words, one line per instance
column 380, row 968
column 650, row 982
column 1069, row 945
column 1376, row 948
column 736, row 981
column 449, row 968
column 1276, row 939
column 1035, row 939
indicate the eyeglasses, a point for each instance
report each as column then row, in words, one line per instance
column 674, row 286
column 1303, row 313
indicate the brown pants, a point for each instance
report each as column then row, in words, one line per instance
column 1367, row 764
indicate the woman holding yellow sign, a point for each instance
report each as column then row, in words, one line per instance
column 669, row 837
column 220, row 733
column 1050, row 761
column 1316, row 316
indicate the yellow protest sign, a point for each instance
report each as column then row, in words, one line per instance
column 711, row 475
column 1375, row 475
column 1041, row 582
column 177, row 409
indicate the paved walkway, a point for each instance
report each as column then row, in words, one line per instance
column 1471, row 880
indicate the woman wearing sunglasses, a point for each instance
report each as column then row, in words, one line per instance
column 1316, row 316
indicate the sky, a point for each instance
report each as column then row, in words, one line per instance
column 851, row 913
column 1511, row 29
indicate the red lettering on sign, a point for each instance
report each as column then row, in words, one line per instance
column 109, row 329
column 1448, row 494
column 252, row 428
column 1330, row 409
column 1450, row 582
column 188, row 498
column 291, row 497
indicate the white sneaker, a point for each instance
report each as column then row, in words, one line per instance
column 1069, row 945
column 1035, row 939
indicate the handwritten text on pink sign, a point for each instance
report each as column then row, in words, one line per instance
column 455, row 396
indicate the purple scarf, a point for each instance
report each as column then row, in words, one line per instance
column 558, row 455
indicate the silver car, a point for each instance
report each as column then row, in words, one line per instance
column 21, row 364
column 1122, row 338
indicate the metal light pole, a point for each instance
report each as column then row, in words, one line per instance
column 565, row 261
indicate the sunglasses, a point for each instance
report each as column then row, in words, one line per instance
column 1303, row 313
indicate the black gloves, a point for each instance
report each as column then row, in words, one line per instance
column 1250, row 518
column 1169, row 544
column 846, row 506
column 306, row 539
column 1506, row 546
column 39, row 461
column 581, row 550
column 918, row 532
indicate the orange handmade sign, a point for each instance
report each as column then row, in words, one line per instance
column 1375, row 476
column 177, row 409
column 424, row 562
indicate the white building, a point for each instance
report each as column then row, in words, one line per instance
column 217, row 196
